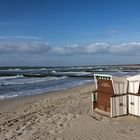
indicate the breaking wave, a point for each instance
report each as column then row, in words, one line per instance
column 11, row 77
column 29, row 80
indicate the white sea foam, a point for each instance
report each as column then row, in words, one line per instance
column 2, row 97
column 82, row 73
column 16, row 69
column 11, row 77
column 53, row 71
column 100, row 70
column 28, row 80
column 43, row 69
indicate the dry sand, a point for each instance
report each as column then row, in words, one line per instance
column 62, row 115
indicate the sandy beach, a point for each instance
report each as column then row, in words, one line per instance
column 62, row 115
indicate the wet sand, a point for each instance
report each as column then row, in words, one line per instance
column 62, row 115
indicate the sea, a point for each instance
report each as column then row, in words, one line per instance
column 28, row 81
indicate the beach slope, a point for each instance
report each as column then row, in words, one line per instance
column 62, row 115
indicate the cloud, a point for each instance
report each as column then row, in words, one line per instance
column 58, row 50
column 40, row 47
column 69, row 49
column 132, row 48
column 96, row 48
column 126, row 49
column 23, row 47
column 22, row 37
column 93, row 48
column 113, row 31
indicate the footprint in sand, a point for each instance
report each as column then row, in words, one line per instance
column 53, row 132
column 59, row 138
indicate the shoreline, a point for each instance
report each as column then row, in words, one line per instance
column 11, row 103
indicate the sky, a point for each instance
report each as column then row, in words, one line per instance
column 69, row 32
